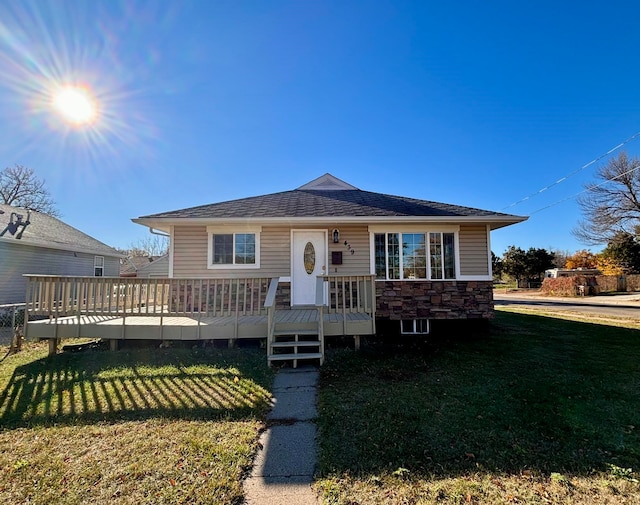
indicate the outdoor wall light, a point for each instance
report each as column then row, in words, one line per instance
column 336, row 236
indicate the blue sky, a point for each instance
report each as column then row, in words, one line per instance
column 473, row 103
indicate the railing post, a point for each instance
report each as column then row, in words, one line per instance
column 269, row 304
column 374, row 301
column 320, row 308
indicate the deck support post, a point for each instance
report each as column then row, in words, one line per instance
column 113, row 344
column 231, row 343
column 53, row 346
column 356, row 342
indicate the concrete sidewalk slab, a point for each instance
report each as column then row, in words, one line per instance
column 285, row 493
column 292, row 378
column 288, row 451
column 294, row 393
column 299, row 405
column 283, row 469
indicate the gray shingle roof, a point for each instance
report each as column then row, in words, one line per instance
column 47, row 231
column 302, row 203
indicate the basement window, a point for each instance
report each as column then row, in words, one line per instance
column 414, row 326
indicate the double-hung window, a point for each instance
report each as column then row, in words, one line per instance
column 409, row 256
column 233, row 249
column 98, row 266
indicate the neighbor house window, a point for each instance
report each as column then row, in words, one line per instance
column 98, row 266
column 239, row 250
column 409, row 256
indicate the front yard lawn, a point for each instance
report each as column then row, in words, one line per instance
column 535, row 410
column 146, row 426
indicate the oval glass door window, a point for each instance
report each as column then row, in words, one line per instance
column 309, row 258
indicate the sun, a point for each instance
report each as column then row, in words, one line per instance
column 76, row 105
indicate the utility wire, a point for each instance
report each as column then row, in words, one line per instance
column 586, row 190
column 595, row 160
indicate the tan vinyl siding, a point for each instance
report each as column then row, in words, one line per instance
column 190, row 252
column 23, row 259
column 474, row 253
column 357, row 263
column 275, row 251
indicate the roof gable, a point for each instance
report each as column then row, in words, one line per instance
column 327, row 182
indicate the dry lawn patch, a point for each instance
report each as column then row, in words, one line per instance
column 148, row 426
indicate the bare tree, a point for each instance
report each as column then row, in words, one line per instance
column 151, row 246
column 612, row 205
column 20, row 187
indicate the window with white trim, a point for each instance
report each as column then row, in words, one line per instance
column 410, row 256
column 234, row 250
column 414, row 326
column 98, row 266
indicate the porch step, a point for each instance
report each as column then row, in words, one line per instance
column 279, row 333
column 300, row 343
column 294, row 357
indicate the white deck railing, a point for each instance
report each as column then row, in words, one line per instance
column 351, row 293
column 55, row 296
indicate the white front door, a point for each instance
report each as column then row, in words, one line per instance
column 308, row 261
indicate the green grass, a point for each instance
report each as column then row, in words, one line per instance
column 535, row 410
column 145, row 426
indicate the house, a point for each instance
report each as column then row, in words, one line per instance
column 36, row 243
column 555, row 273
column 430, row 260
column 297, row 266
column 145, row 266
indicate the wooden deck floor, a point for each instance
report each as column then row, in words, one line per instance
column 196, row 327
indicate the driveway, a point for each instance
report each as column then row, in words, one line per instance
column 625, row 306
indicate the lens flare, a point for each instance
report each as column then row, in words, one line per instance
column 76, row 105
column 69, row 90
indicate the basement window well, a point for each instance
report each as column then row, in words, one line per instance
column 414, row 326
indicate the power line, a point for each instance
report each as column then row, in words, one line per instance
column 585, row 190
column 595, row 160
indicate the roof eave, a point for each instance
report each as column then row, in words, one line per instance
column 164, row 224
column 60, row 247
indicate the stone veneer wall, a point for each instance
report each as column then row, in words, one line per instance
column 283, row 296
column 434, row 300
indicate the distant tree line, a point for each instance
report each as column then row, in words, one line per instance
column 611, row 216
column 523, row 266
column 620, row 257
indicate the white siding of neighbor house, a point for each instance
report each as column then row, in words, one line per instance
column 474, row 251
column 190, row 252
column 16, row 260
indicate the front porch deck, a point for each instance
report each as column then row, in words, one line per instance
column 200, row 309
column 195, row 327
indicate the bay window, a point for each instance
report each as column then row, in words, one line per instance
column 408, row 256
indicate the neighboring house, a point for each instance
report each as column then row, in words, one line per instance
column 35, row 243
column 430, row 260
column 555, row 273
column 145, row 266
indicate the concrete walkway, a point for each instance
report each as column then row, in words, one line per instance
column 284, row 466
